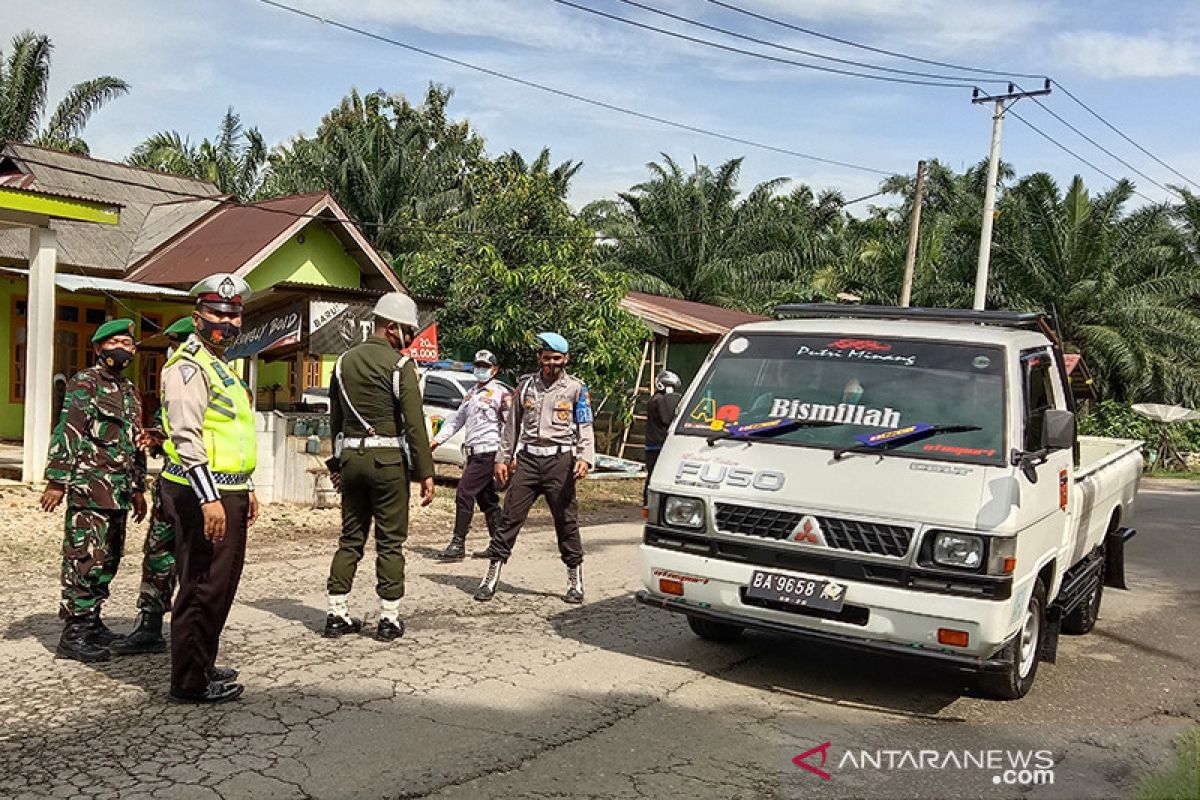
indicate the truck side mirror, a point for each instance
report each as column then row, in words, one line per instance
column 1058, row 429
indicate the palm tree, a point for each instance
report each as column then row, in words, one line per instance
column 233, row 162
column 560, row 176
column 24, row 78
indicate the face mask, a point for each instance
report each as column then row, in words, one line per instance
column 853, row 392
column 219, row 333
column 482, row 374
column 551, row 372
column 116, row 359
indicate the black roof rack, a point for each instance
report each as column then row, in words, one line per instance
column 1026, row 320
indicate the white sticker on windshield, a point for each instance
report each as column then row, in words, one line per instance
column 839, row 413
column 981, row 362
column 739, row 345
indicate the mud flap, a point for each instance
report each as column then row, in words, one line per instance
column 1114, row 557
column 1051, row 627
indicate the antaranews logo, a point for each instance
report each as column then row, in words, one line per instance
column 1008, row 767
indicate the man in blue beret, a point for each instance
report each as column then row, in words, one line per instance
column 96, row 466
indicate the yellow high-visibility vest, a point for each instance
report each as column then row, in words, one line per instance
column 228, row 424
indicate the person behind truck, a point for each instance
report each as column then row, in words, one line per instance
column 549, row 435
column 664, row 404
column 482, row 412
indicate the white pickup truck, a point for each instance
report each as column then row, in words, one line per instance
column 903, row 480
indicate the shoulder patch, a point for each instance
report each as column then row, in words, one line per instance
column 583, row 406
column 188, row 371
column 192, row 347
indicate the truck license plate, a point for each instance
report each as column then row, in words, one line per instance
column 825, row 595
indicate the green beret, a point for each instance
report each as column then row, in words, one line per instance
column 181, row 328
column 114, row 327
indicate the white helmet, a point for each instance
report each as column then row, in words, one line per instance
column 667, row 381
column 397, row 307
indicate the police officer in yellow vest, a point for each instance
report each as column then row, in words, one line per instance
column 207, row 492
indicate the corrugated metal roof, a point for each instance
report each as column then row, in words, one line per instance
column 685, row 316
column 100, row 247
column 90, row 283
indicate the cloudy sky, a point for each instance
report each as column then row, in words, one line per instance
column 1136, row 64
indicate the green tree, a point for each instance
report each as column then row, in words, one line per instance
column 24, row 78
column 395, row 167
column 233, row 162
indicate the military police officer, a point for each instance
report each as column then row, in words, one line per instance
column 207, row 492
column 94, row 462
column 380, row 443
column 549, row 434
column 482, row 413
column 158, row 551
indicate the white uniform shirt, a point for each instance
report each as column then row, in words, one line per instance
column 482, row 412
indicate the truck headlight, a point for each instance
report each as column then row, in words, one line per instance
column 961, row 550
column 683, row 512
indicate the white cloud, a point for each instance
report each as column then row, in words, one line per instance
column 1104, row 54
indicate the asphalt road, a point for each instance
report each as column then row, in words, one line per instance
column 529, row 697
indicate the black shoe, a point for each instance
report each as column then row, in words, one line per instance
column 336, row 626
column 145, row 638
column 213, row 693
column 481, row 554
column 574, row 593
column 487, row 588
column 99, row 633
column 455, row 551
column 76, row 643
column 387, row 631
column 222, row 674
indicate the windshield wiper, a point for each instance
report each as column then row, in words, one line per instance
column 767, row 428
column 898, row 437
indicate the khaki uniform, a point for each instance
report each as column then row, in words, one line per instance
column 549, row 429
column 374, row 472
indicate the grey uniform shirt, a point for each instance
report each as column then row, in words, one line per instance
column 560, row 414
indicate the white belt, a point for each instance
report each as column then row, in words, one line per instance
column 549, row 450
column 481, row 450
column 372, row 441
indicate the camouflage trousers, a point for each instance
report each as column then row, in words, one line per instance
column 92, row 547
column 158, row 560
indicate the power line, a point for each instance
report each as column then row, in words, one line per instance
column 1073, row 154
column 572, row 95
column 1117, row 131
column 776, row 59
column 869, row 48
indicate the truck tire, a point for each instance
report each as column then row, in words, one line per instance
column 714, row 631
column 1022, row 652
column 1083, row 618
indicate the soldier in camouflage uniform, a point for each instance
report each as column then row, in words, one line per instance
column 158, row 553
column 95, row 464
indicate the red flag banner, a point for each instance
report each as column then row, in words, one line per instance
column 424, row 345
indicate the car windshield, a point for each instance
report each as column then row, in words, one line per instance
column 860, row 384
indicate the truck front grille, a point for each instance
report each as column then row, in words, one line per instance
column 842, row 534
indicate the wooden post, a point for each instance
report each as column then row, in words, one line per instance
column 914, row 232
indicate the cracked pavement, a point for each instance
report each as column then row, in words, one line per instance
column 529, row 697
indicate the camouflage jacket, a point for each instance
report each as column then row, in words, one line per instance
column 93, row 451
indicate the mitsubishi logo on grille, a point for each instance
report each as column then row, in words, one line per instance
column 808, row 531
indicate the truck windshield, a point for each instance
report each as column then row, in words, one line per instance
column 863, row 385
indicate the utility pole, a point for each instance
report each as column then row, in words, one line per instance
column 989, row 196
column 914, row 229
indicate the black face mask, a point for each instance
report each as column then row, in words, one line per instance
column 116, row 359
column 552, row 372
column 218, row 333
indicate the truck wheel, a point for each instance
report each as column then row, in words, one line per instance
column 1021, row 653
column 714, row 631
column 1083, row 618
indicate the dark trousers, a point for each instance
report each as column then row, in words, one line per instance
column 554, row 477
column 374, row 489
column 652, row 454
column 477, row 485
column 208, row 575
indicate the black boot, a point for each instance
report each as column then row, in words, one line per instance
column 145, row 638
column 487, row 588
column 574, row 593
column 336, row 626
column 76, row 643
column 493, row 524
column 99, row 633
column 456, row 550
column 387, row 630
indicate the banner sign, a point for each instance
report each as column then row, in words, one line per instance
column 270, row 331
column 424, row 346
column 336, row 327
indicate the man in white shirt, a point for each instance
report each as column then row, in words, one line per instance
column 482, row 413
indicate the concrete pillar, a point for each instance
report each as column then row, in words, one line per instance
column 39, row 353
